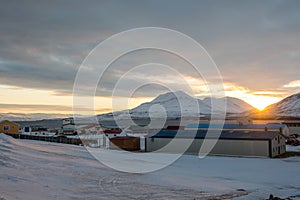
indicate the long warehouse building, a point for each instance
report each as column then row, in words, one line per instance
column 230, row 143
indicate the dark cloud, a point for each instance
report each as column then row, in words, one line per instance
column 55, row 78
column 44, row 43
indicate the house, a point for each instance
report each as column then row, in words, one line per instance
column 39, row 130
column 69, row 129
column 112, row 131
column 9, row 127
column 26, row 130
column 229, row 143
column 91, row 135
column 282, row 128
column 68, row 126
column 294, row 126
column 67, row 121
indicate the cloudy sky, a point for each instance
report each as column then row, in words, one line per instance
column 255, row 44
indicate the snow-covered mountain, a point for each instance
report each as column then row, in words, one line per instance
column 180, row 104
column 289, row 106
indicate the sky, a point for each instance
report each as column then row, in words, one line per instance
column 255, row 45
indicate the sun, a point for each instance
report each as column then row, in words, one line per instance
column 261, row 102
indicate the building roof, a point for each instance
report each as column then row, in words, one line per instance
column 141, row 128
column 213, row 134
column 175, row 127
column 1, row 121
column 292, row 122
column 111, row 126
column 236, row 126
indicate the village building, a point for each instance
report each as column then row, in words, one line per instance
column 68, row 126
column 9, row 127
column 111, row 131
column 136, row 130
column 229, row 143
column 67, row 121
column 294, row 126
column 128, row 143
column 282, row 128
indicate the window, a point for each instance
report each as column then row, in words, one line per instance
column 5, row 128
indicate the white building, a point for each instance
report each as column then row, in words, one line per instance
column 293, row 126
column 68, row 126
column 67, row 121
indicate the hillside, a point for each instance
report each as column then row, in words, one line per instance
column 289, row 107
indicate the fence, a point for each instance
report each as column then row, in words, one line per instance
column 65, row 140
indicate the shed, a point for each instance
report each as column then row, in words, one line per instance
column 9, row 127
column 230, row 143
column 127, row 143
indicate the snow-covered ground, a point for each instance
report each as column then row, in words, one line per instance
column 41, row 170
column 293, row 148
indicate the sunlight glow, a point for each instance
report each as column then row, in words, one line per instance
column 258, row 99
column 260, row 102
column 30, row 97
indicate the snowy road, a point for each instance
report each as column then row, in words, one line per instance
column 39, row 170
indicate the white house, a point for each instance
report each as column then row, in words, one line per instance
column 293, row 126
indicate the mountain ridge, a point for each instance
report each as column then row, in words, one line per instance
column 168, row 105
column 289, row 106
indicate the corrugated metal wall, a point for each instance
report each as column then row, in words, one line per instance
column 223, row 147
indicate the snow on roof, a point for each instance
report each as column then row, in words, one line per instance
column 201, row 134
column 111, row 126
column 236, row 126
column 292, row 122
column 141, row 128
